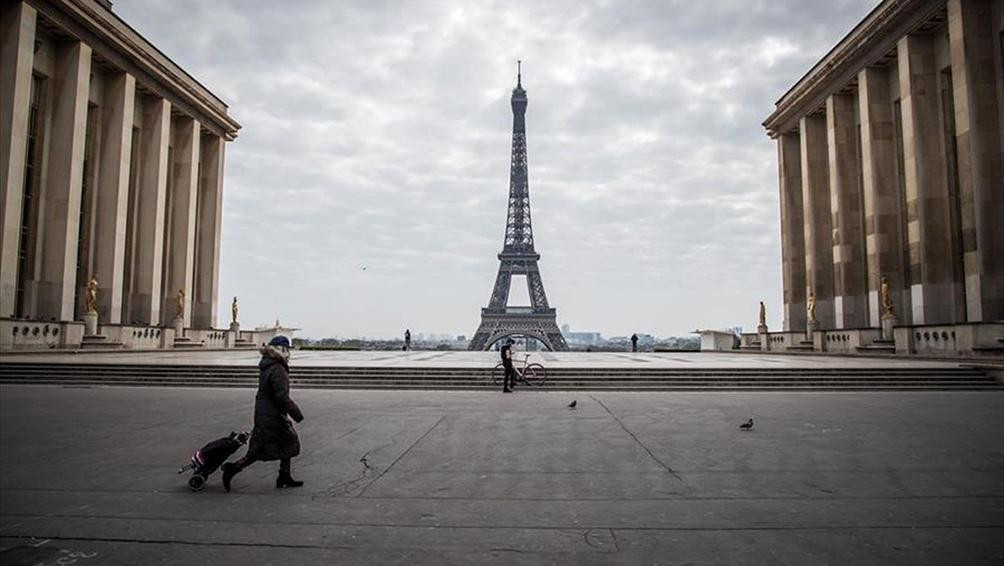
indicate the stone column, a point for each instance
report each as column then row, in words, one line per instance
column 928, row 207
column 181, row 230
column 881, row 194
column 16, row 57
column 152, row 190
column 818, row 227
column 850, row 308
column 112, row 202
column 207, row 255
column 61, row 193
column 978, row 138
column 792, row 230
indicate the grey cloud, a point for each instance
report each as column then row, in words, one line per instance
column 377, row 134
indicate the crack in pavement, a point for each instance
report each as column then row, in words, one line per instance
column 342, row 488
column 640, row 443
column 398, row 459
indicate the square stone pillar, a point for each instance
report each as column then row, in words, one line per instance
column 110, row 214
column 147, row 269
column 884, row 208
column 978, row 138
column 818, row 221
column 927, row 200
column 179, row 249
column 210, row 220
column 850, row 307
column 61, row 192
column 16, row 57
column 792, row 230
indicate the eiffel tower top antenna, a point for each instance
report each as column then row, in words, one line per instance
column 519, row 73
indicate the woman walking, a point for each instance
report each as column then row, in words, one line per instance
column 273, row 436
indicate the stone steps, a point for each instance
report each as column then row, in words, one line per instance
column 458, row 378
column 555, row 384
column 99, row 342
column 477, row 381
column 376, row 374
column 314, row 370
column 627, row 378
column 489, row 387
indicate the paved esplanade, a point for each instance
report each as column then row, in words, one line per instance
column 328, row 358
column 484, row 478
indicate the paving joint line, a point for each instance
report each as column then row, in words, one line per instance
column 640, row 443
column 562, row 528
column 186, row 542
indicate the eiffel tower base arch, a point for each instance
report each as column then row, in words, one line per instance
column 498, row 325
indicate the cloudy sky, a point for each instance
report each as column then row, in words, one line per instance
column 377, row 134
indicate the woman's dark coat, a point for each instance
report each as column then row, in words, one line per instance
column 273, row 436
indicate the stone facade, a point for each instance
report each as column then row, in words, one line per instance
column 890, row 167
column 111, row 163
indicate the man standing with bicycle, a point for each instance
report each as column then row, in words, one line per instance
column 509, row 381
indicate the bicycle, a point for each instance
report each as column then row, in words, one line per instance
column 530, row 374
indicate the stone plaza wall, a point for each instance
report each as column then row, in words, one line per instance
column 973, row 340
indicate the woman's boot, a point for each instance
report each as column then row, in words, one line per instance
column 285, row 478
column 230, row 469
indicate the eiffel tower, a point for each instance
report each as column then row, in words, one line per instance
column 518, row 256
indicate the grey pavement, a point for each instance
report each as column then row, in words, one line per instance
column 411, row 477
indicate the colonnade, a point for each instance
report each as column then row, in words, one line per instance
column 898, row 175
column 103, row 176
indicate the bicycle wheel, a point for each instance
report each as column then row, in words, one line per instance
column 498, row 374
column 535, row 374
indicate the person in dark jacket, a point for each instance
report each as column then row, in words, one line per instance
column 509, row 380
column 273, row 436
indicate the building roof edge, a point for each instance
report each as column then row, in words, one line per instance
column 117, row 33
column 867, row 40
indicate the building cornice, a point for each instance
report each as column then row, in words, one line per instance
column 873, row 39
column 114, row 40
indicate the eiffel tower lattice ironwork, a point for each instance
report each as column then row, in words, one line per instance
column 518, row 257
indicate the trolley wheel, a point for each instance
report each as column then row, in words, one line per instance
column 498, row 374
column 535, row 374
column 196, row 482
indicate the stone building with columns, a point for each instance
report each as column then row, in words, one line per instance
column 111, row 167
column 890, row 168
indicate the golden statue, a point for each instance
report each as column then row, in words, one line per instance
column 810, row 307
column 763, row 315
column 233, row 310
column 886, row 300
column 91, row 298
column 179, row 307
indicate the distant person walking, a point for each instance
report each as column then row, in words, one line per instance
column 634, row 342
column 407, row 339
column 273, row 436
column 509, row 381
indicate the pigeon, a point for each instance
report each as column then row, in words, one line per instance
column 573, row 404
column 747, row 425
